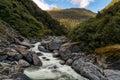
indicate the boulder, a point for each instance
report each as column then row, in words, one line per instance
column 112, row 74
column 20, row 76
column 18, row 57
column 39, row 54
column 3, row 57
column 69, row 62
column 54, row 46
column 88, row 70
column 66, row 50
column 41, row 48
column 62, row 62
column 23, row 63
column 4, row 77
column 28, row 57
column 5, row 71
column 56, row 54
column 36, row 60
column 52, row 43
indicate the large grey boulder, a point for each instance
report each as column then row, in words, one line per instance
column 112, row 74
column 65, row 51
column 36, row 60
column 88, row 70
column 52, row 43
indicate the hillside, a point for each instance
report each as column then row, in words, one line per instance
column 29, row 20
column 71, row 17
column 101, row 31
column 111, row 4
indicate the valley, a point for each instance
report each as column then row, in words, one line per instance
column 59, row 44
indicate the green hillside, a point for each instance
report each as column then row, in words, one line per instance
column 28, row 20
column 71, row 17
column 101, row 31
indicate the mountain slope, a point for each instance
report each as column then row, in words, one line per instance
column 27, row 19
column 111, row 4
column 101, row 31
column 71, row 17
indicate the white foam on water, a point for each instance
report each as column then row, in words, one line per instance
column 51, row 68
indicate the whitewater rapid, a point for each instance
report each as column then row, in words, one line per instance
column 51, row 68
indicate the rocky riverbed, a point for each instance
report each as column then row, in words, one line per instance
column 51, row 58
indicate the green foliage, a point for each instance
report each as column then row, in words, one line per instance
column 100, row 31
column 30, row 21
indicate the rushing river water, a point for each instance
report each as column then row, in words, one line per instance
column 51, row 69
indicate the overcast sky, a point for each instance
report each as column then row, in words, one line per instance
column 93, row 5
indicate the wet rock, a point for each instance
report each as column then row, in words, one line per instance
column 20, row 76
column 39, row 54
column 54, row 46
column 4, row 64
column 56, row 55
column 23, row 63
column 65, row 52
column 36, row 60
column 3, row 77
column 44, row 58
column 18, row 57
column 62, row 62
column 3, row 57
column 5, row 71
column 11, row 52
column 28, row 57
column 41, row 48
column 112, row 74
column 52, row 43
column 69, row 62
column 88, row 70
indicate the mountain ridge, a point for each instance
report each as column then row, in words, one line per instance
column 72, row 16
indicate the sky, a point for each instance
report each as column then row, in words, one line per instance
column 93, row 5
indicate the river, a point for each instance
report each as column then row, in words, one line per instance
column 51, row 68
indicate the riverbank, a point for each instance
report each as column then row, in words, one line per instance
column 56, row 54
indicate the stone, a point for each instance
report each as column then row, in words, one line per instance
column 39, row 54
column 41, row 48
column 112, row 74
column 88, row 70
column 62, row 62
column 52, row 43
column 54, row 46
column 65, row 52
column 4, row 64
column 69, row 62
column 3, row 57
column 29, row 57
column 5, row 71
column 11, row 52
column 18, row 57
column 23, row 63
column 36, row 60
column 56, row 54
column 3, row 77
column 20, row 76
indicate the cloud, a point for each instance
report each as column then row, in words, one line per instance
column 43, row 5
column 82, row 3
